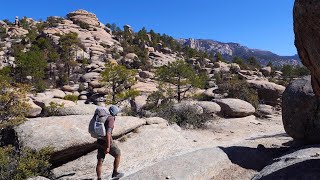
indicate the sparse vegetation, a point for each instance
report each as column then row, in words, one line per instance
column 31, row 64
column 119, row 79
column 161, row 98
column 240, row 62
column 24, row 23
column 66, row 43
column 71, row 97
column 52, row 21
column 236, row 88
column 3, row 33
column 13, row 104
column 186, row 118
column 219, row 58
column 181, row 75
column 83, row 25
column 16, row 162
column 53, row 109
column 24, row 164
column 294, row 71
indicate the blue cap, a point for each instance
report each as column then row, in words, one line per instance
column 114, row 110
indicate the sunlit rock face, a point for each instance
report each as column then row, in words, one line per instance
column 307, row 37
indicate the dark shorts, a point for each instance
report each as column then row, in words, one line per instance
column 102, row 146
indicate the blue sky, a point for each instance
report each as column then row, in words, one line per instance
column 260, row 24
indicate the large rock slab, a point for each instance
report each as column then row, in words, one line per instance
column 47, row 103
column 300, row 111
column 146, row 87
column 159, row 59
column 300, row 164
column 68, row 135
column 269, row 93
column 201, row 164
column 79, row 109
column 307, row 37
column 235, row 107
column 140, row 149
column 150, row 153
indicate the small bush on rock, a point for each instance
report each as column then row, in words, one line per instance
column 71, row 97
column 53, row 109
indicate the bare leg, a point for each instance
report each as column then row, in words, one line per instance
column 116, row 163
column 99, row 168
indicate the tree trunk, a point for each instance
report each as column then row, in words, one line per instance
column 113, row 92
column 179, row 89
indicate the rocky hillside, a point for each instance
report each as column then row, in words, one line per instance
column 231, row 50
column 226, row 123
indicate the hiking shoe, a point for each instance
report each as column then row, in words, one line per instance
column 117, row 175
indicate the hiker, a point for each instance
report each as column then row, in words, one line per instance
column 106, row 146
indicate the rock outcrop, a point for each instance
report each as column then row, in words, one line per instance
column 266, row 71
column 85, row 17
column 300, row 111
column 235, row 107
column 93, row 35
column 148, row 140
column 301, row 164
column 68, row 135
column 17, row 32
column 269, row 93
column 201, row 164
column 159, row 59
column 231, row 50
column 307, row 32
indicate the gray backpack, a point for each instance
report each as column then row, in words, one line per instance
column 96, row 125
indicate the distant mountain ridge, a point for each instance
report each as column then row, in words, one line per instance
column 231, row 50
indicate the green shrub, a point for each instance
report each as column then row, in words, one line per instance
column 294, row 71
column 3, row 33
column 27, row 163
column 163, row 97
column 185, row 118
column 200, row 97
column 40, row 86
column 284, row 81
column 13, row 103
column 83, row 25
column 71, row 97
column 53, row 109
column 127, row 111
column 239, row 89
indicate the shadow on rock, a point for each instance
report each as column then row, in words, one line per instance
column 65, row 175
column 253, row 158
column 305, row 170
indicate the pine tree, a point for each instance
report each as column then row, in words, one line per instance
column 182, row 75
column 119, row 79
